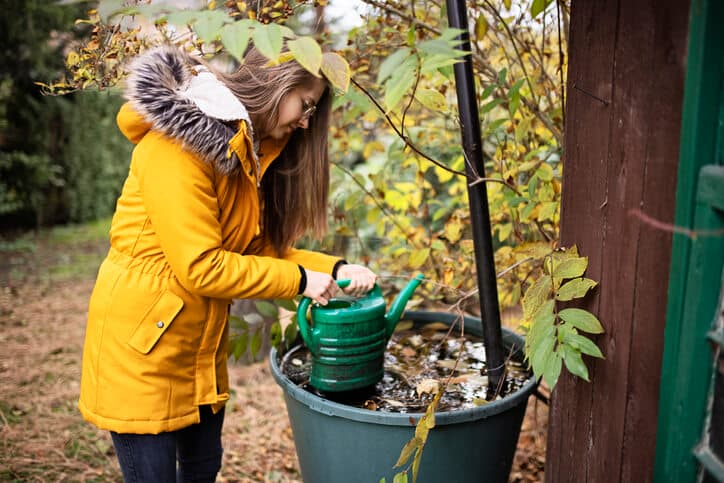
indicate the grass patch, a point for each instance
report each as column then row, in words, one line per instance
column 59, row 253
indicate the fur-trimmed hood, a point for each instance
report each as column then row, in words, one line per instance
column 179, row 97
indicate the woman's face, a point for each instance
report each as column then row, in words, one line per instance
column 296, row 108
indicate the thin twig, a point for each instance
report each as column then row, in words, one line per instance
column 376, row 202
column 668, row 227
column 400, row 134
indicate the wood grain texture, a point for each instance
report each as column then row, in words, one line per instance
column 620, row 155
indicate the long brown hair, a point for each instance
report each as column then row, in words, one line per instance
column 295, row 188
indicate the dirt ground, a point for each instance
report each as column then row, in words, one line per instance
column 44, row 439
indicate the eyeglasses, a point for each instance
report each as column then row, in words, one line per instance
column 308, row 109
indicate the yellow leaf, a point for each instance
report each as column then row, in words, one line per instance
column 308, row 53
column 453, row 230
column 72, row 59
column 419, row 257
column 431, row 99
column 481, row 27
column 336, row 70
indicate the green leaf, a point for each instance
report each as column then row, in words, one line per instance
column 571, row 268
column 502, row 75
column 440, row 47
column 267, row 309
column 536, row 295
column 584, row 345
column 515, row 88
column 235, row 38
column 391, row 63
column 487, row 91
column 238, row 323
column 487, row 107
column 582, row 320
column 513, row 104
column 240, row 343
column 286, row 304
column 541, row 324
column 574, row 362
column 400, row 83
column 181, row 18
column 207, row 24
column 275, row 335
column 268, row 40
column 552, row 369
column 307, row 52
column 290, row 332
column 541, row 351
column 431, row 99
column 575, row 289
column 407, row 451
column 256, row 343
column 336, row 70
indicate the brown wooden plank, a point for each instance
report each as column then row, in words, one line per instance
column 665, row 93
column 592, row 40
column 619, row 156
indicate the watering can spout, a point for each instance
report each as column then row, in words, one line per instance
column 398, row 305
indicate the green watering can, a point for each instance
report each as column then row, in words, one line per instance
column 347, row 337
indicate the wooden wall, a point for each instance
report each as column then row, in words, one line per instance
column 623, row 117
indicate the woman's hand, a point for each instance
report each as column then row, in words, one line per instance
column 320, row 287
column 362, row 279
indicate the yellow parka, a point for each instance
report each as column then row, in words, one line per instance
column 184, row 243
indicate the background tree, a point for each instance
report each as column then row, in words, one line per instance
column 61, row 158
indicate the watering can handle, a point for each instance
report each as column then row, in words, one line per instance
column 304, row 327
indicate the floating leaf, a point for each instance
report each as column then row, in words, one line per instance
column 391, row 63
column 307, row 52
column 581, row 320
column 235, row 37
column 574, row 289
column 268, row 40
column 207, row 24
column 336, row 70
column 431, row 99
column 400, row 83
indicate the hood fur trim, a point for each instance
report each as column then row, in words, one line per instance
column 161, row 87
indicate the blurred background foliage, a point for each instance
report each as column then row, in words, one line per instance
column 61, row 158
column 399, row 198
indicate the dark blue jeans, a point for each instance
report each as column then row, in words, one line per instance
column 151, row 458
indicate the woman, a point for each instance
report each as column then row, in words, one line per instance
column 227, row 173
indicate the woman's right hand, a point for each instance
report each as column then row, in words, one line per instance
column 320, row 287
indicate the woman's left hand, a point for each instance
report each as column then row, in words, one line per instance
column 362, row 279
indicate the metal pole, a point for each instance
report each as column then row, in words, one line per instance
column 478, row 197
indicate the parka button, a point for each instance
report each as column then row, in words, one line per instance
column 159, row 324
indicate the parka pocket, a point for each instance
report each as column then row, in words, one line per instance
column 156, row 321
